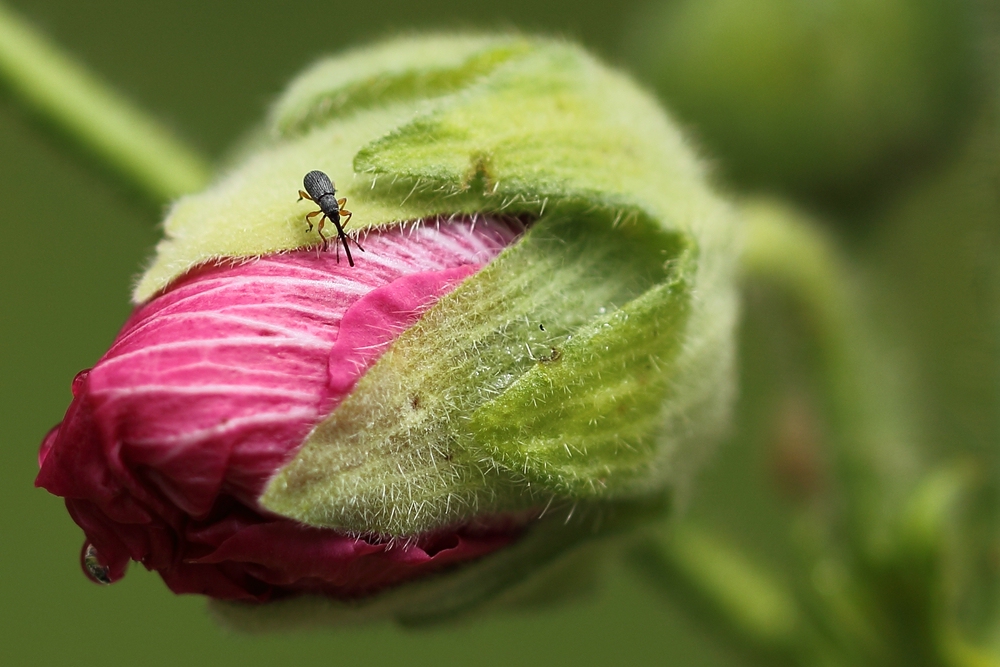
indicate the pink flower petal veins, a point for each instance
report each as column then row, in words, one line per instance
column 213, row 385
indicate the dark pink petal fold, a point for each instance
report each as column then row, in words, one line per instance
column 214, row 384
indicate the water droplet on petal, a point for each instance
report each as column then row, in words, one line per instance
column 79, row 381
column 95, row 570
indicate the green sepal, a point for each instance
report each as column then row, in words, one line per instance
column 551, row 127
column 410, row 69
column 466, row 125
column 401, row 456
column 586, row 420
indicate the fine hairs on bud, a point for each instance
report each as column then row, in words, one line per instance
column 531, row 353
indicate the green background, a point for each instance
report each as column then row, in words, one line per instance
column 210, row 70
column 73, row 242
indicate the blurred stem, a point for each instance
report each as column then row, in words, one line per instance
column 875, row 601
column 874, row 460
column 730, row 597
column 878, row 546
column 118, row 134
column 888, row 597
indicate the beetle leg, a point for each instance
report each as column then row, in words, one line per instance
column 341, row 202
column 308, row 221
column 319, row 230
column 304, row 195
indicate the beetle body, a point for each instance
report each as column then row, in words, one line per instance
column 321, row 190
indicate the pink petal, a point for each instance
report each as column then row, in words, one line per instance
column 214, row 384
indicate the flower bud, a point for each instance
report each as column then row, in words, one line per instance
column 531, row 352
column 830, row 100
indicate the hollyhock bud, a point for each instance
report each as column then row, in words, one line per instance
column 531, row 352
column 830, row 100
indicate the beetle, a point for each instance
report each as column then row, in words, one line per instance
column 321, row 190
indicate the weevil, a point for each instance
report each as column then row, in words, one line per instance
column 321, row 190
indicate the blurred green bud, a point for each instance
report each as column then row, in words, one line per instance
column 576, row 379
column 828, row 99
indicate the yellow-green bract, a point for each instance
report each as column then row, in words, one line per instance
column 584, row 370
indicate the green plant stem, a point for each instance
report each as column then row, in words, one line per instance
column 741, row 605
column 881, row 609
column 869, row 440
column 874, row 465
column 892, row 529
column 120, row 135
